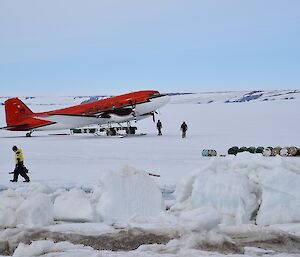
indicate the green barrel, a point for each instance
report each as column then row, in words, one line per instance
column 243, row 149
column 259, row 149
column 233, row 150
column 251, row 149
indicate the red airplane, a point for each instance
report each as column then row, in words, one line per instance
column 117, row 109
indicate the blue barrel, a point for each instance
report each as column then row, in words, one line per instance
column 205, row 152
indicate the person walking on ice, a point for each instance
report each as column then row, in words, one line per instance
column 159, row 127
column 20, row 168
column 183, row 129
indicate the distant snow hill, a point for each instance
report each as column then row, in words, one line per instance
column 177, row 98
column 235, row 96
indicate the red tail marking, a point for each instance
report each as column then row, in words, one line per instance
column 16, row 111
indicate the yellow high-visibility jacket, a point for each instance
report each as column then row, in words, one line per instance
column 19, row 156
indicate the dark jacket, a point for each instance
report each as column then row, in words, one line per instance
column 159, row 125
column 184, row 127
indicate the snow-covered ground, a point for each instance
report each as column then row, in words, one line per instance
column 88, row 189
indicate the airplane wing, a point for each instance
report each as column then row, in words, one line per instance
column 87, row 119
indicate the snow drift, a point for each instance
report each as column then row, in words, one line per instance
column 129, row 193
column 73, row 205
column 118, row 197
column 35, row 210
column 244, row 189
column 229, row 190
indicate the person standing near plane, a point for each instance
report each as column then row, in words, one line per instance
column 183, row 129
column 159, row 127
column 20, row 168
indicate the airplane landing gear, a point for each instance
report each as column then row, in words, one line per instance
column 29, row 134
column 130, row 130
column 111, row 132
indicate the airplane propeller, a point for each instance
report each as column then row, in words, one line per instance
column 153, row 115
column 133, row 104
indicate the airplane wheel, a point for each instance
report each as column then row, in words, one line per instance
column 130, row 130
column 28, row 134
column 111, row 132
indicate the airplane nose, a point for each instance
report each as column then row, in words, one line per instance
column 152, row 105
column 161, row 100
column 165, row 99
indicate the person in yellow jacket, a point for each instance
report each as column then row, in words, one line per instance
column 20, row 168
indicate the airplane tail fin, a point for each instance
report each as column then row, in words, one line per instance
column 16, row 111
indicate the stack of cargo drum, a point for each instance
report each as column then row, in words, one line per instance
column 268, row 151
column 209, row 152
column 235, row 149
column 282, row 151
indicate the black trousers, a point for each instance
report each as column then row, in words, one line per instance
column 19, row 170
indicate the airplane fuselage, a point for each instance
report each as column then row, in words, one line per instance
column 117, row 109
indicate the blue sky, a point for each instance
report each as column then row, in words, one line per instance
column 94, row 47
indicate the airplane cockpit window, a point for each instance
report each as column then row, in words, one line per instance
column 154, row 95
